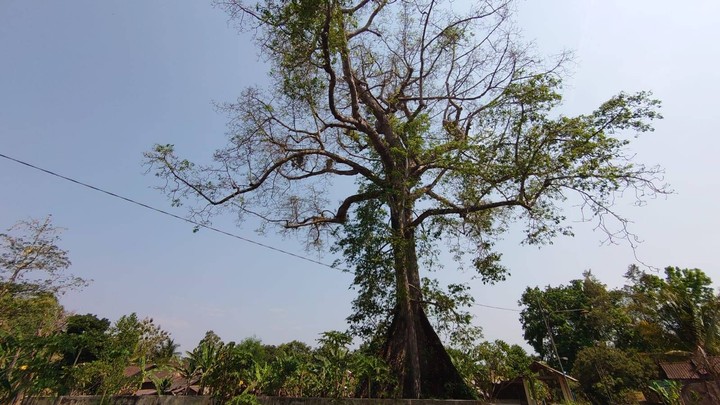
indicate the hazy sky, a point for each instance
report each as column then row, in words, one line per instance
column 87, row 86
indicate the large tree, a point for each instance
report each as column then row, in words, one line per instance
column 439, row 115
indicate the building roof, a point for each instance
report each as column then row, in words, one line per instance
column 538, row 366
column 134, row 370
column 679, row 371
column 691, row 369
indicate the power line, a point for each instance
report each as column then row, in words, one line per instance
column 500, row 308
column 130, row 200
column 209, row 227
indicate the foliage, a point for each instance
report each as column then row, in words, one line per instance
column 30, row 258
column 332, row 361
column 201, row 360
column 129, row 341
column 608, row 336
column 489, row 366
column 231, row 371
column 669, row 391
column 364, row 244
column 288, row 370
column 578, row 315
column 243, row 399
column 679, row 312
column 650, row 314
column 84, row 338
column 373, row 372
column 610, row 376
column 28, row 322
column 162, row 384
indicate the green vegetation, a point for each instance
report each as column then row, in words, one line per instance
column 611, row 340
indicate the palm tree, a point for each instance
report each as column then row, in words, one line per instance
column 166, row 351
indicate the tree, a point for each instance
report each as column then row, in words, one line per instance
column 371, row 371
column 29, row 256
column 439, row 116
column 32, row 273
column 129, row 341
column 489, row 366
column 203, row 358
column 290, row 369
column 679, row 312
column 574, row 316
column 28, row 323
column 609, row 375
column 84, row 338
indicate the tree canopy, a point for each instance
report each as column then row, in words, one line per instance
column 611, row 339
column 678, row 312
column 30, row 257
column 440, row 116
column 581, row 314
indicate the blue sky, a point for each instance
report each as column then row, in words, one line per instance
column 86, row 87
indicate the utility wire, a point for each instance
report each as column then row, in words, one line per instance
column 500, row 308
column 130, row 200
column 209, row 227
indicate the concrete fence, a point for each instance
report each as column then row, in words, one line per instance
column 204, row 400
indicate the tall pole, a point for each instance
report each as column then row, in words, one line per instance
column 552, row 343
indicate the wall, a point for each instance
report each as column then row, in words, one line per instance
column 190, row 400
column 143, row 400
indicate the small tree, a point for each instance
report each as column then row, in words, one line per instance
column 30, row 256
column 489, row 366
column 610, row 376
column 28, row 324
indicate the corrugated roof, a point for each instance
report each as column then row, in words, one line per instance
column 680, row 370
column 709, row 364
column 131, row 371
column 692, row 369
column 537, row 366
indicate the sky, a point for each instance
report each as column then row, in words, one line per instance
column 86, row 87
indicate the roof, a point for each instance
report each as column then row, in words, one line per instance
column 178, row 384
column 691, row 369
column 537, row 366
column 131, row 371
column 679, row 371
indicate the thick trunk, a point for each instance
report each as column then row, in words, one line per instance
column 412, row 348
column 437, row 376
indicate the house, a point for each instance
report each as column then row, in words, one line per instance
column 174, row 383
column 521, row 390
column 699, row 376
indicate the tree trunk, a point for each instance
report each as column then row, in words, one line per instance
column 412, row 348
column 436, row 376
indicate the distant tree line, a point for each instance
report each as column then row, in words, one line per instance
column 609, row 339
column 612, row 339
